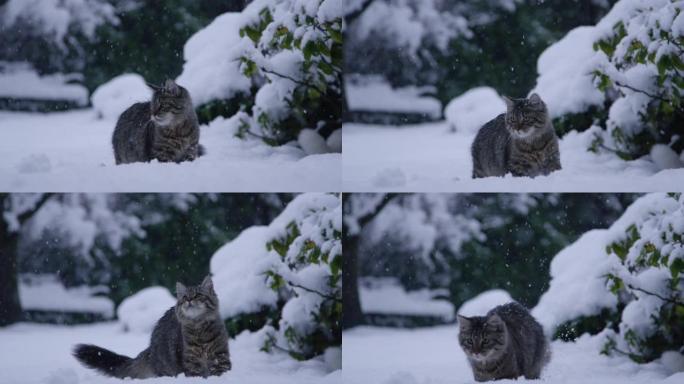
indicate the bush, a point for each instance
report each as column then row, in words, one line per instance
column 640, row 70
column 298, row 57
column 648, row 280
column 310, row 280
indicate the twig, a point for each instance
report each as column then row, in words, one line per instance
column 658, row 97
column 314, row 291
column 302, row 83
column 666, row 299
column 24, row 216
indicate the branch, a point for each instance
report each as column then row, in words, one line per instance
column 314, row 291
column 365, row 219
column 658, row 97
column 302, row 83
column 349, row 18
column 666, row 299
column 25, row 216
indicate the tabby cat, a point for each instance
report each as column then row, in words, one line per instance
column 190, row 338
column 521, row 141
column 504, row 344
column 165, row 129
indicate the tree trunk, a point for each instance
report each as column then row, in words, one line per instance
column 10, row 308
column 351, row 313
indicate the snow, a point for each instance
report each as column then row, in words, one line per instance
column 45, row 293
column 39, row 354
column 471, row 110
column 18, row 80
column 387, row 296
column 430, row 158
column 212, row 69
column 140, row 312
column 432, row 355
column 54, row 18
column 115, row 96
column 665, row 158
column 578, row 284
column 482, row 303
column 311, row 142
column 565, row 68
column 375, row 94
column 71, row 151
column 238, row 273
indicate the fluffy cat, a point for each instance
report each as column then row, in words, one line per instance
column 190, row 338
column 521, row 141
column 165, row 128
column 506, row 343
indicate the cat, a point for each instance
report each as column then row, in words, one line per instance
column 504, row 344
column 521, row 141
column 165, row 128
column 190, row 338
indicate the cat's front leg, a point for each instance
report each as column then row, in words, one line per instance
column 219, row 364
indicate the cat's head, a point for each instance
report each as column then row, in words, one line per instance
column 169, row 103
column 525, row 117
column 196, row 302
column 482, row 337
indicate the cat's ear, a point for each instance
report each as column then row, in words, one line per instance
column 463, row 322
column 180, row 290
column 207, row 285
column 171, row 87
column 508, row 101
column 155, row 88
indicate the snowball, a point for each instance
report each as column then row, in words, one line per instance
column 334, row 141
column 664, row 157
column 140, row 312
column 471, row 110
column 485, row 301
column 311, row 142
column 115, row 96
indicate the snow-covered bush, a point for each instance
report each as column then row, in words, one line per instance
column 623, row 74
column 280, row 62
column 625, row 280
column 287, row 277
column 140, row 312
column 307, row 238
column 648, row 282
column 112, row 98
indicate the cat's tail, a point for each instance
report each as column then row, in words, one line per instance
column 102, row 360
column 201, row 151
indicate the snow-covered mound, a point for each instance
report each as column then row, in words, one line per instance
column 140, row 312
column 238, row 273
column 475, row 107
column 375, row 94
column 115, row 96
column 212, row 66
column 482, row 303
column 21, row 81
column 387, row 296
column 45, row 293
column 578, row 284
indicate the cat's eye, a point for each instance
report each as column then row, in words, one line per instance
column 485, row 341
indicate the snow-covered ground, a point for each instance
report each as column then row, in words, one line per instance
column 433, row 356
column 431, row 158
column 71, row 151
column 32, row 353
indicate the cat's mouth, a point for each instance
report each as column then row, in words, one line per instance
column 479, row 356
column 522, row 132
column 192, row 311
